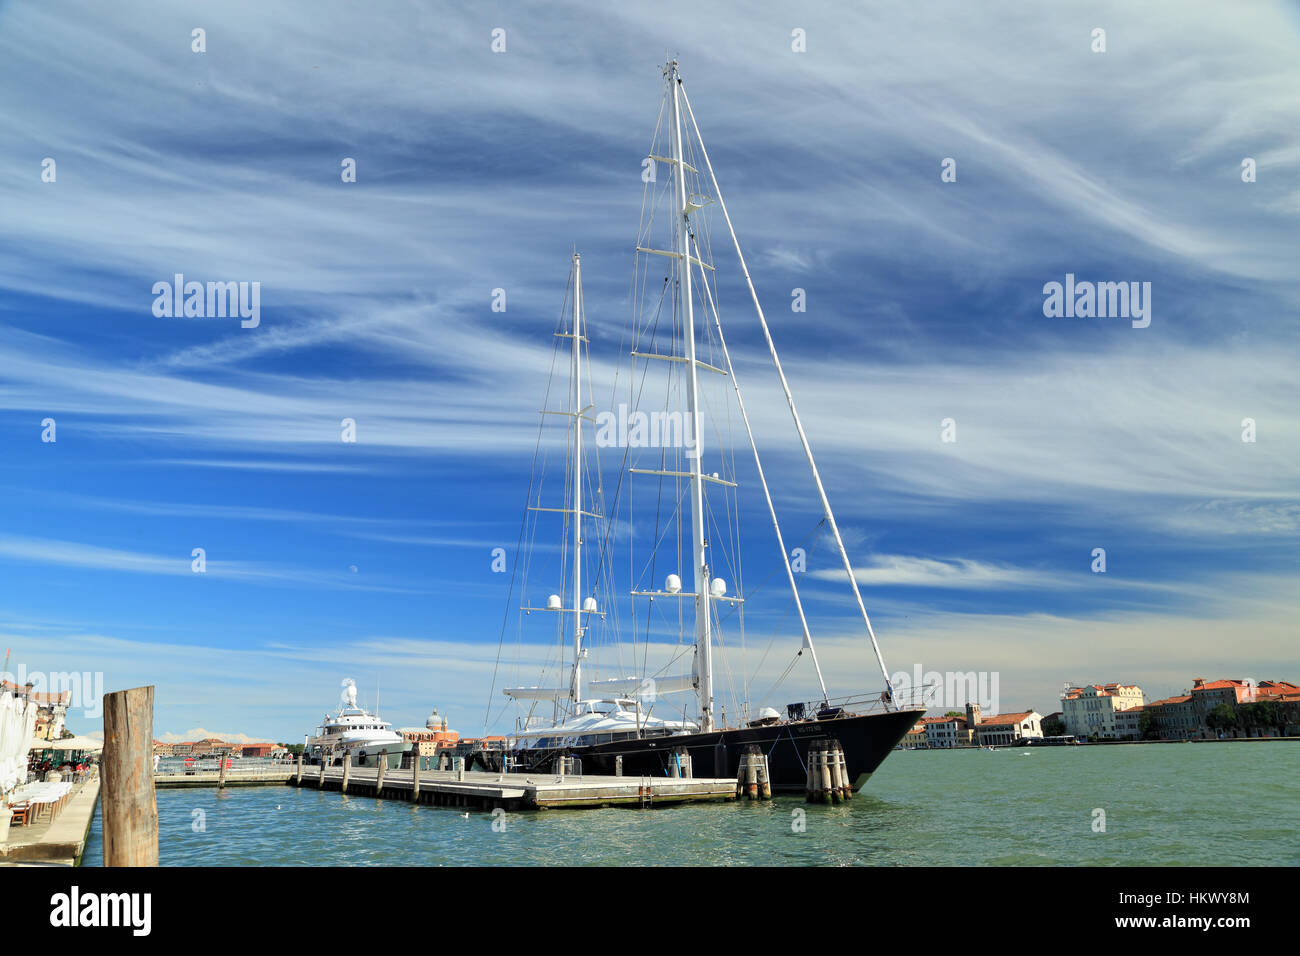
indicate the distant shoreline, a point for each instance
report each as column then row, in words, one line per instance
column 1112, row 743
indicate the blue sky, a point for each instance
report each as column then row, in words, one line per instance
column 479, row 170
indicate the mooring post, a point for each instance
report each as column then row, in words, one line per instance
column 320, row 780
column 764, row 777
column 824, row 769
column 130, row 811
column 460, row 768
column 221, row 773
column 811, row 790
column 299, row 780
column 846, row 784
column 379, row 779
column 347, row 771
column 415, row 780
column 618, row 766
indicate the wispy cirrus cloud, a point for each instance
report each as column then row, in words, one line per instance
column 923, row 303
column 894, row 570
column 71, row 554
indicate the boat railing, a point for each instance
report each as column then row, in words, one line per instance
column 913, row 698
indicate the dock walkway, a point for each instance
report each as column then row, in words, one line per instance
column 519, row 791
column 515, row 791
column 260, row 777
column 60, row 843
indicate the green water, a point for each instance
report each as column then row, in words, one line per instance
column 1224, row 804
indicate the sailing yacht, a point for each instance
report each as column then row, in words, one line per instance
column 582, row 721
column 608, row 723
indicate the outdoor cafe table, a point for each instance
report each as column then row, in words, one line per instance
column 42, row 796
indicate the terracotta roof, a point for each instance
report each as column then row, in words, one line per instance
column 1171, row 700
column 1220, row 684
column 1006, row 718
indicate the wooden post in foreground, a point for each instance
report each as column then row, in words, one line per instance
column 415, row 786
column 379, row 777
column 299, row 780
column 347, row 771
column 130, row 809
column 221, row 774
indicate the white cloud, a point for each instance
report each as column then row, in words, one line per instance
column 902, row 570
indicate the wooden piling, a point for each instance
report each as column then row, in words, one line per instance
column 764, row 777
column 130, row 808
column 415, row 781
column 846, row 785
column 379, row 777
column 347, row 771
column 618, row 766
column 819, row 773
column 833, row 773
column 460, row 768
column 221, row 774
column 320, row 779
column 751, row 772
column 299, row 780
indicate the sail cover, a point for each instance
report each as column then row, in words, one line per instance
column 641, row 686
column 537, row 693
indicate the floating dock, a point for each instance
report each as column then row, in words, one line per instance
column 515, row 791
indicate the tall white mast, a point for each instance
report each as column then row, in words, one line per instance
column 789, row 398
column 703, row 636
column 575, row 692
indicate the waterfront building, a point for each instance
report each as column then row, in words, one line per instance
column 947, row 732
column 1089, row 711
column 428, row 740
column 51, row 708
column 1008, row 728
column 1187, row 716
column 1128, row 723
column 914, row 739
column 258, row 749
column 1174, row 718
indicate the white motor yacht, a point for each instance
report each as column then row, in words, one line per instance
column 356, row 732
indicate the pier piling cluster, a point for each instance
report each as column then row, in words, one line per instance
column 828, row 774
column 754, row 780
